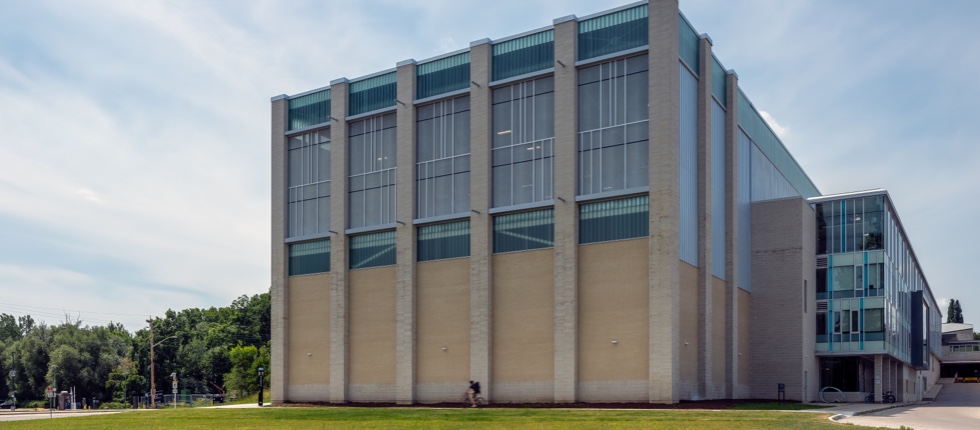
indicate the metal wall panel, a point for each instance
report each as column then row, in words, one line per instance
column 744, row 211
column 768, row 183
column 718, row 175
column 688, row 166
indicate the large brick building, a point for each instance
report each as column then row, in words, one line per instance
column 590, row 211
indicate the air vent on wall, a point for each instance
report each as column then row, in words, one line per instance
column 821, row 262
column 821, row 306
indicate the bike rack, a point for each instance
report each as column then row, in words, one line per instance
column 824, row 389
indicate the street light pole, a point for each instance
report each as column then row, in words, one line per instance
column 153, row 387
column 261, row 383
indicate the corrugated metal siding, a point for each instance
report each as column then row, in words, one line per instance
column 688, row 166
column 442, row 76
column 523, row 55
column 309, row 257
column 718, row 171
column 441, row 241
column 744, row 211
column 614, row 219
column 611, row 33
column 689, row 45
column 309, row 110
column 372, row 94
column 767, row 182
column 763, row 136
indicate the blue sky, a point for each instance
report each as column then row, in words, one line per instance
column 134, row 135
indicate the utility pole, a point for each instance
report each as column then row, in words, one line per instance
column 153, row 391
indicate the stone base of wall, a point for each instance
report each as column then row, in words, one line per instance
column 381, row 393
column 613, row 391
column 309, row 393
column 442, row 392
column 523, row 392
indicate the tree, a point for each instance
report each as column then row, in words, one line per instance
column 954, row 313
column 246, row 361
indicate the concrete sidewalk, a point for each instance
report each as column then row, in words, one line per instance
column 844, row 410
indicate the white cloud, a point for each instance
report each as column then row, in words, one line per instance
column 89, row 195
column 781, row 131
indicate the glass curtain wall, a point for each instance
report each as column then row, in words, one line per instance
column 443, row 154
column 446, row 240
column 523, row 142
column 373, row 174
column 309, row 110
column 309, row 257
column 524, row 230
column 308, row 188
column 613, row 126
column 614, row 219
column 372, row 250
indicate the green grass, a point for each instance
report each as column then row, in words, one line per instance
column 415, row 418
column 775, row 406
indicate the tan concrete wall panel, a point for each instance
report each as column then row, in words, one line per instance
column 372, row 329
column 744, row 304
column 719, row 316
column 613, row 305
column 689, row 320
column 309, row 332
column 523, row 325
column 443, row 313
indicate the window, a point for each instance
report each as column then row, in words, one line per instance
column 443, row 149
column 309, row 110
column 822, row 284
column 372, row 250
column 614, row 219
column 372, row 171
column 874, row 321
column 613, row 126
column 524, row 55
column 446, row 240
column 377, row 92
column 821, row 326
column 443, row 75
column 842, row 373
column 617, row 31
column 523, row 142
column 308, row 187
column 843, row 278
column 309, row 257
column 524, row 230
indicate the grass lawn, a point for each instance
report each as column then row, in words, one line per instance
column 420, row 418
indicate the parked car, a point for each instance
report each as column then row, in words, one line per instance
column 8, row 405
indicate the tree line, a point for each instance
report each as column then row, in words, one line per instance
column 213, row 351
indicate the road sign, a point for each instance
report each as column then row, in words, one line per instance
column 50, row 392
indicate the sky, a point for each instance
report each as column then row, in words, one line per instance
column 134, row 135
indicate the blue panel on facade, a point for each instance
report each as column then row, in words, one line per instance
column 689, row 45
column 718, row 182
column 719, row 82
column 442, row 76
column 524, row 230
column 372, row 250
column 373, row 93
column 688, row 166
column 523, row 55
column 612, row 33
column 309, row 110
column 446, row 240
column 763, row 136
column 744, row 212
column 614, row 219
column 768, row 183
column 309, row 257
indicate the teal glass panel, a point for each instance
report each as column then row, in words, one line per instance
column 763, row 137
column 614, row 219
column 372, row 94
column 523, row 55
column 614, row 32
column 372, row 250
column 446, row 240
column 524, row 230
column 719, row 82
column 442, row 76
column 309, row 257
column 689, row 45
column 309, row 110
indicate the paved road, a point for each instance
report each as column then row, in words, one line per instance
column 956, row 407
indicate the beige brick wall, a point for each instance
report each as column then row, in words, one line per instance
column 744, row 349
column 372, row 334
column 613, row 306
column 523, row 331
column 405, row 236
column 309, row 338
column 443, row 321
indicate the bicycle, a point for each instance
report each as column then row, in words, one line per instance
column 480, row 401
column 888, row 397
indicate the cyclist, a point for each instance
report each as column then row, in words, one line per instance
column 473, row 391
